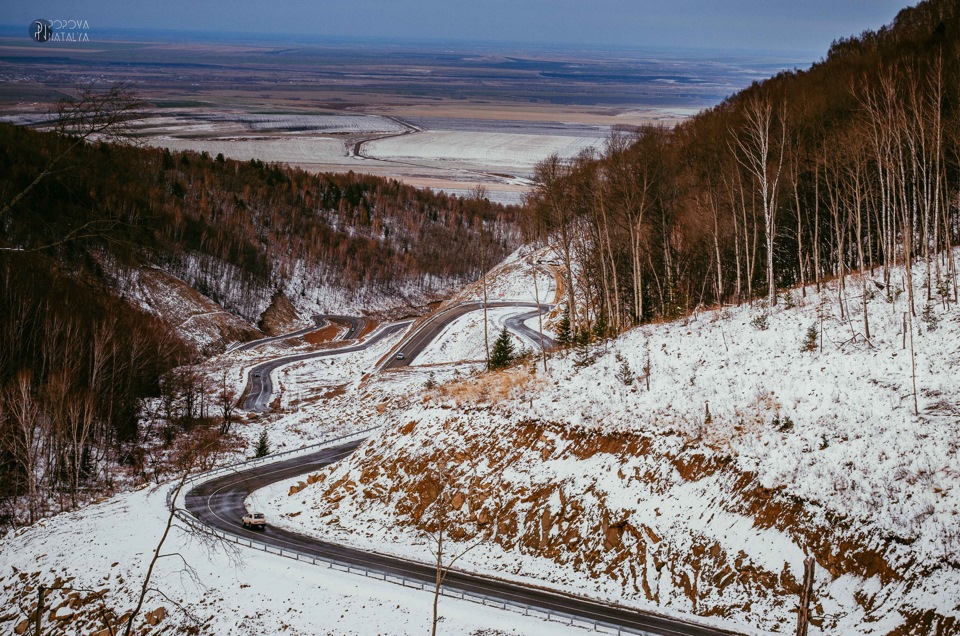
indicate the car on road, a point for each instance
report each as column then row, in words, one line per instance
column 400, row 356
column 255, row 520
column 256, row 374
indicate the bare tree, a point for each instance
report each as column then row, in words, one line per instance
column 443, row 479
column 551, row 178
column 26, row 437
column 90, row 114
column 191, row 459
column 761, row 153
column 226, row 401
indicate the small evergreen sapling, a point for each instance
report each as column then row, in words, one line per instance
column 810, row 338
column 263, row 445
column 760, row 321
column 624, row 373
column 563, row 331
column 503, row 352
column 583, row 357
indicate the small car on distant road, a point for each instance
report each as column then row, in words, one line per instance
column 255, row 520
column 400, row 356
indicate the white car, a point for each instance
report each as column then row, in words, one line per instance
column 255, row 520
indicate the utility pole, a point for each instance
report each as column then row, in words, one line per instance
column 40, row 592
column 486, row 335
column 536, row 295
column 803, row 616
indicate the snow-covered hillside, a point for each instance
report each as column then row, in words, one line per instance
column 703, row 494
column 207, row 587
column 698, row 497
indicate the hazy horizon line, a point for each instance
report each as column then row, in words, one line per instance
column 198, row 36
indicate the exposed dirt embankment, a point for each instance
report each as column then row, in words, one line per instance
column 280, row 317
column 646, row 519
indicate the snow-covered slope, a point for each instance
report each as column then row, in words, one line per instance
column 195, row 317
column 703, row 494
column 579, row 481
column 206, row 587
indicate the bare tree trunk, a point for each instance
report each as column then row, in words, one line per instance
column 816, row 227
column 486, row 328
column 762, row 156
column 803, row 616
column 156, row 556
column 536, row 294
column 796, row 199
column 715, row 209
column 738, row 293
column 438, row 580
column 615, row 313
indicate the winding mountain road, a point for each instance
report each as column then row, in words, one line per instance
column 319, row 322
column 260, row 384
column 420, row 339
column 517, row 326
column 219, row 503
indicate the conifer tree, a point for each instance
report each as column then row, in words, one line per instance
column 563, row 331
column 624, row 372
column 263, row 445
column 503, row 352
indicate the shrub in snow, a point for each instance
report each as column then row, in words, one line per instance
column 929, row 318
column 810, row 338
column 943, row 287
column 782, row 424
column 760, row 321
column 431, row 382
column 624, row 373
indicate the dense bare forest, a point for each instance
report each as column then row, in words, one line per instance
column 82, row 215
column 850, row 166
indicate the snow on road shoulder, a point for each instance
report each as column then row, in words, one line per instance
column 230, row 590
column 513, row 279
column 463, row 339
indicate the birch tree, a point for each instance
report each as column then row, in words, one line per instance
column 761, row 143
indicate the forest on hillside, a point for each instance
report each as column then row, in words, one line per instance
column 849, row 167
column 81, row 215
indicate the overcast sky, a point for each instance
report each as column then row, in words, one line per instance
column 784, row 25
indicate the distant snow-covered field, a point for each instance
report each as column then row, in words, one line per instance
column 483, row 149
column 189, row 122
column 292, row 150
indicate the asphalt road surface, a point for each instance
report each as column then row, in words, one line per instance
column 515, row 324
column 355, row 326
column 418, row 341
column 260, row 385
column 318, row 323
column 219, row 503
